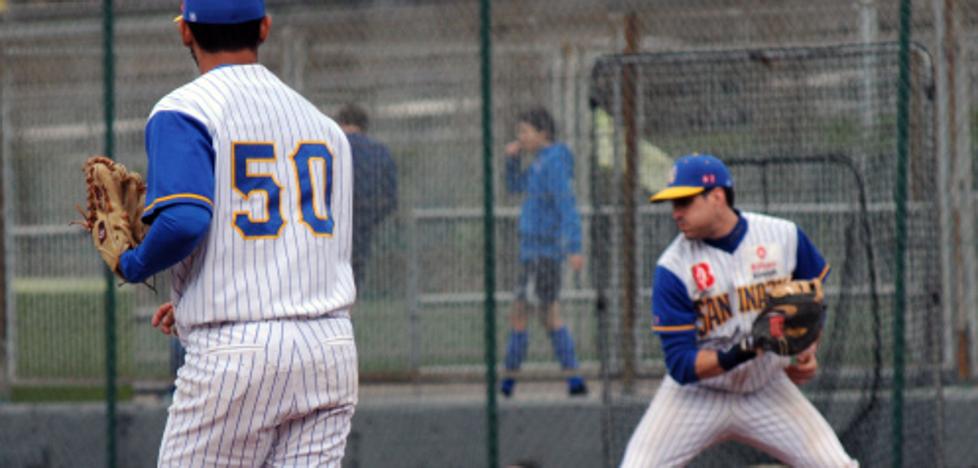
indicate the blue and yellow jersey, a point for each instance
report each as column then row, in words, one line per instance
column 706, row 294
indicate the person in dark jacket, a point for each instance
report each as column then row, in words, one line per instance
column 374, row 185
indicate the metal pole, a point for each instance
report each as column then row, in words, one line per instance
column 869, row 33
column 949, row 282
column 960, row 180
column 108, row 82
column 628, row 207
column 900, row 199
column 961, row 144
column 598, row 261
column 6, row 222
column 485, row 28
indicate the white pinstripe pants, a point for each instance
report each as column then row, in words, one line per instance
column 684, row 420
column 274, row 393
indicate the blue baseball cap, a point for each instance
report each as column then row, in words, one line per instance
column 694, row 174
column 221, row 11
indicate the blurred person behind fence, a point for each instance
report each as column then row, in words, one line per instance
column 549, row 231
column 374, row 185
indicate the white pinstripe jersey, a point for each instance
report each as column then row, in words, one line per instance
column 280, row 238
column 728, row 291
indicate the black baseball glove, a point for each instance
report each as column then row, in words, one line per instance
column 792, row 318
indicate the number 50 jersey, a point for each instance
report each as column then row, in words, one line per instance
column 277, row 176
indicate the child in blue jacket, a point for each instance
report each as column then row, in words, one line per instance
column 549, row 230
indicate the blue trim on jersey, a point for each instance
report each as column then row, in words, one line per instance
column 181, row 163
column 810, row 263
column 672, row 307
column 731, row 241
column 174, row 234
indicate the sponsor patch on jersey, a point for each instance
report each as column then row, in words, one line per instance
column 764, row 260
column 703, row 276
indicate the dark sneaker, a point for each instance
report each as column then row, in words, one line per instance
column 507, row 387
column 576, row 386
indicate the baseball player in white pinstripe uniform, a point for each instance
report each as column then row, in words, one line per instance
column 249, row 198
column 709, row 286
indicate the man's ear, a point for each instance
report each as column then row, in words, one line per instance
column 718, row 195
column 266, row 25
column 186, row 36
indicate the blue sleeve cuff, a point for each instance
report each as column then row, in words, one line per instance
column 173, row 235
column 680, row 350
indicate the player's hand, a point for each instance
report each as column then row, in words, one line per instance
column 513, row 149
column 164, row 320
column 576, row 262
column 803, row 366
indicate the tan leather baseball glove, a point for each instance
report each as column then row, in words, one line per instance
column 114, row 209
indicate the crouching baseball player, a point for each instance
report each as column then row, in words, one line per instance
column 735, row 295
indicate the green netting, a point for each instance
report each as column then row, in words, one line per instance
column 800, row 96
column 809, row 135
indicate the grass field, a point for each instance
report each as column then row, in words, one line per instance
column 60, row 349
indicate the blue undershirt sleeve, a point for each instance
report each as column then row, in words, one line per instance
column 809, row 263
column 174, row 234
column 674, row 316
column 181, row 163
column 680, row 350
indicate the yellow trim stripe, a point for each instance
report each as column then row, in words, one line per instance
column 674, row 328
column 824, row 273
column 179, row 195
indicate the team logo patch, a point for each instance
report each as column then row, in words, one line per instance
column 703, row 276
column 764, row 262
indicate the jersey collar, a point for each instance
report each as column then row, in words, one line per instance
column 729, row 242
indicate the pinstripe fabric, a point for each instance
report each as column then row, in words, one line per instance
column 682, row 421
column 270, row 375
column 755, row 402
column 279, row 392
column 781, row 421
column 730, row 273
column 296, row 273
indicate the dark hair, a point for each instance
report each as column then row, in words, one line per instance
column 352, row 114
column 540, row 119
column 227, row 37
column 728, row 193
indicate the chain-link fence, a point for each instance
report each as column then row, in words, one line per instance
column 800, row 98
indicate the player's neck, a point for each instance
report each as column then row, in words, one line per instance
column 725, row 224
column 209, row 61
